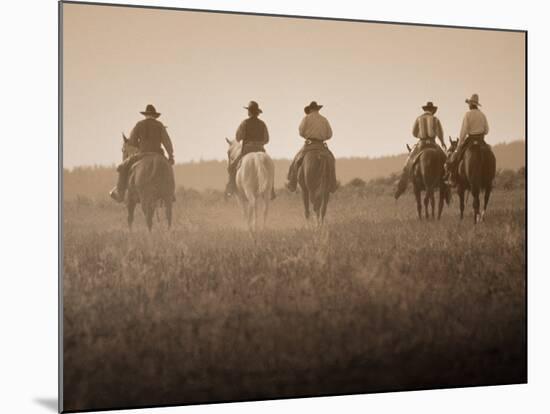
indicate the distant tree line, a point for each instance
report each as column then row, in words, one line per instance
column 506, row 179
column 366, row 175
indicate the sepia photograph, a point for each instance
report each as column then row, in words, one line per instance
column 260, row 206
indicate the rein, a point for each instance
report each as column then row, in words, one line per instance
column 234, row 151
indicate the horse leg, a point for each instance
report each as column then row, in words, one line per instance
column 305, row 198
column 266, row 208
column 255, row 215
column 460, row 191
column 252, row 210
column 418, row 203
column 243, row 202
column 149, row 212
column 427, row 204
column 249, row 216
column 432, row 202
column 487, row 195
column 131, row 208
column 168, row 210
column 475, row 195
column 317, row 211
column 324, row 206
column 441, row 200
column 158, row 211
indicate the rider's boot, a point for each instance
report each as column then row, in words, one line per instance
column 402, row 184
column 292, row 179
column 117, row 193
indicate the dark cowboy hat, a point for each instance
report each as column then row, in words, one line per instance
column 312, row 106
column 474, row 100
column 253, row 107
column 150, row 110
column 430, row 107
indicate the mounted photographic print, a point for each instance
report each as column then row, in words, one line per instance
column 260, row 206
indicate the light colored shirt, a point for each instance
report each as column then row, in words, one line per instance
column 474, row 123
column 315, row 126
column 427, row 126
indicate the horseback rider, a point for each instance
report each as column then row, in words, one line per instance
column 149, row 136
column 426, row 128
column 315, row 129
column 253, row 134
column 474, row 127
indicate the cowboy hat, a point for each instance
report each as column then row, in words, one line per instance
column 150, row 111
column 474, row 100
column 430, row 107
column 312, row 106
column 253, row 107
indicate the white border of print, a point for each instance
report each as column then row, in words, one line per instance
column 29, row 204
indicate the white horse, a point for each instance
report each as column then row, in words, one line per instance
column 255, row 178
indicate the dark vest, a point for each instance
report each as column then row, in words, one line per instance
column 254, row 130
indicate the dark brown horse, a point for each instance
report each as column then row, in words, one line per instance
column 314, row 178
column 476, row 173
column 427, row 175
column 151, row 183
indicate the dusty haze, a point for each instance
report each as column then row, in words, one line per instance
column 199, row 69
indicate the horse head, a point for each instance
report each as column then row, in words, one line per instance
column 453, row 145
column 127, row 148
column 234, row 149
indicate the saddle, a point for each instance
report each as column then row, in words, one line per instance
column 315, row 145
column 134, row 158
column 472, row 141
column 475, row 140
column 319, row 147
column 247, row 148
column 423, row 146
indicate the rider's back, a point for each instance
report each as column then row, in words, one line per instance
column 147, row 135
column 254, row 130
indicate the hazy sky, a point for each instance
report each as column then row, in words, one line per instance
column 200, row 69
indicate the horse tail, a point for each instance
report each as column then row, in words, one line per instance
column 489, row 167
column 430, row 169
column 264, row 168
column 323, row 185
column 322, row 189
column 481, row 166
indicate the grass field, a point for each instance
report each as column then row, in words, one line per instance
column 375, row 301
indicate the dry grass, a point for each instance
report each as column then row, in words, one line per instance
column 375, row 301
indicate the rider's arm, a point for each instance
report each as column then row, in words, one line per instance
column 464, row 129
column 328, row 130
column 439, row 132
column 241, row 132
column 302, row 128
column 167, row 143
column 416, row 129
column 134, row 136
column 266, row 135
column 486, row 125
